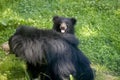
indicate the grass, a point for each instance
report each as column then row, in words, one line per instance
column 97, row 29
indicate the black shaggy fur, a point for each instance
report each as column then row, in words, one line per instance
column 51, row 53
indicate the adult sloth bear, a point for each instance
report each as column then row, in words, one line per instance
column 51, row 53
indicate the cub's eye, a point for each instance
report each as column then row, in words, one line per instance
column 67, row 25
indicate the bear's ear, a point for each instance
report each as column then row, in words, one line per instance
column 73, row 21
column 55, row 18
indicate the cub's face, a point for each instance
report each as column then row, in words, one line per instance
column 64, row 25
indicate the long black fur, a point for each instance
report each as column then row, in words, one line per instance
column 51, row 53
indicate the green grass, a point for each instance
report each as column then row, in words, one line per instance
column 97, row 29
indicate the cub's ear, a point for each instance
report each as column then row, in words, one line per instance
column 73, row 21
column 55, row 18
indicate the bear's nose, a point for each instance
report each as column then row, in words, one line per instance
column 63, row 26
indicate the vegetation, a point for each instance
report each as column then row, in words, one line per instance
column 97, row 29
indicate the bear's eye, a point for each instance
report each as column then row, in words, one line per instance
column 67, row 24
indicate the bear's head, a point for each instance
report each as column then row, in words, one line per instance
column 64, row 25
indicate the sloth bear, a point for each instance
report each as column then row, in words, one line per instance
column 53, row 54
column 64, row 25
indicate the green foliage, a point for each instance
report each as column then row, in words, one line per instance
column 97, row 29
column 71, row 77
